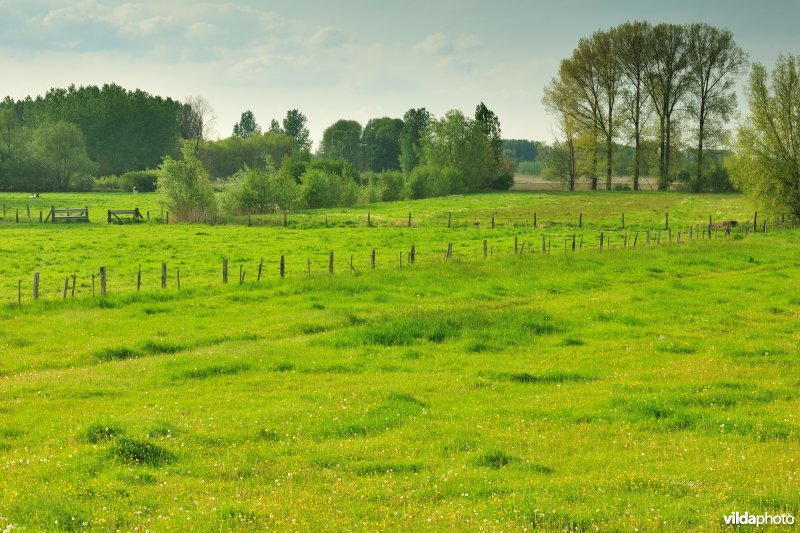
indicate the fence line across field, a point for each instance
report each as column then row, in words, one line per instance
column 624, row 240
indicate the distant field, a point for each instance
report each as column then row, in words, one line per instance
column 655, row 387
column 528, row 182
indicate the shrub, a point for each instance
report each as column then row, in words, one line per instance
column 143, row 180
column 185, row 189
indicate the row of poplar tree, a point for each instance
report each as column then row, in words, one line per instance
column 636, row 83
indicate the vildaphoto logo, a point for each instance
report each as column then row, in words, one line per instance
column 758, row 520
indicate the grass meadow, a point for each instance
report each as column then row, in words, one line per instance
column 649, row 387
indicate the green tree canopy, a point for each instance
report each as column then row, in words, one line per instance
column 767, row 149
column 381, row 141
column 247, row 126
column 295, row 125
column 415, row 128
column 184, row 187
column 342, row 140
column 61, row 149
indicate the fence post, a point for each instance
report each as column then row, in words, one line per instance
column 326, row 220
column 449, row 217
column 241, row 274
column 167, row 217
column 260, row 266
column 623, row 220
column 178, row 275
column 580, row 220
column 667, row 223
column 28, row 206
column 601, row 240
column 66, row 286
column 19, row 292
column 485, row 246
column 544, row 246
column 283, row 267
column 409, row 219
column 534, row 219
column 40, row 216
column 330, row 263
column 102, row 281
column 413, row 255
column 372, row 259
column 573, row 242
column 163, row 275
column 139, row 278
column 35, row 285
column 493, row 214
column 224, row 271
column 74, row 278
column 369, row 219
column 755, row 222
column 516, row 248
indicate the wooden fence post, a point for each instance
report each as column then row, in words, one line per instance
column 285, row 219
column 92, row 286
column 283, row 267
column 241, row 274
column 544, row 246
column 167, row 217
column 515, row 245
column 601, row 240
column 19, row 291
column 755, row 222
column 409, row 219
column 580, row 220
column 28, row 206
column 74, row 278
column 40, row 216
column 163, row 275
column 534, row 219
column 139, row 279
column 369, row 219
column 224, row 271
column 260, row 266
column 178, row 276
column 573, row 242
column 102, row 281
column 493, row 214
column 330, row 263
column 623, row 220
column 35, row 285
column 372, row 259
column 66, row 286
column 449, row 217
column 485, row 246
column 667, row 223
column 413, row 256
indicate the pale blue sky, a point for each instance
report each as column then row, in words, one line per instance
column 344, row 59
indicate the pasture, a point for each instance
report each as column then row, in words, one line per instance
column 641, row 387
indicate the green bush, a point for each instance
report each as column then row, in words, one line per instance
column 323, row 189
column 143, row 180
column 185, row 189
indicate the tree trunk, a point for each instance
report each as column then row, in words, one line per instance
column 637, row 135
column 609, row 153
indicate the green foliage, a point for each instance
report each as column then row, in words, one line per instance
column 261, row 190
column 521, row 150
column 415, row 128
column 225, row 157
column 342, row 140
column 325, row 189
column 184, row 188
column 143, row 180
column 141, row 453
column 295, row 126
column 530, row 167
column 62, row 151
column 124, row 130
column 247, row 126
column 381, row 144
column 428, row 181
column 766, row 164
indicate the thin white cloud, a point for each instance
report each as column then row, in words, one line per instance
column 436, row 44
column 329, row 37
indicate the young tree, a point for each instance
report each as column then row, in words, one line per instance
column 295, row 124
column 185, row 189
column 415, row 128
column 247, row 126
column 275, row 127
column 715, row 62
column 561, row 159
column 61, row 149
column 766, row 163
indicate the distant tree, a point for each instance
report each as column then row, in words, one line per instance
column 521, row 149
column 342, row 140
column 225, row 157
column 416, row 123
column 632, row 40
column 247, row 126
column 381, row 142
column 667, row 81
column 61, row 149
column 198, row 120
column 184, row 187
column 295, row 125
column 715, row 62
column 490, row 126
column 9, row 126
column 766, row 164
column 275, row 126
column 457, row 142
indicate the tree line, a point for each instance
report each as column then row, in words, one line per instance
column 654, row 87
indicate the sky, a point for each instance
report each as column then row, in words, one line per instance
column 344, row 59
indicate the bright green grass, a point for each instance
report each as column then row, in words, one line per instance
column 642, row 388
